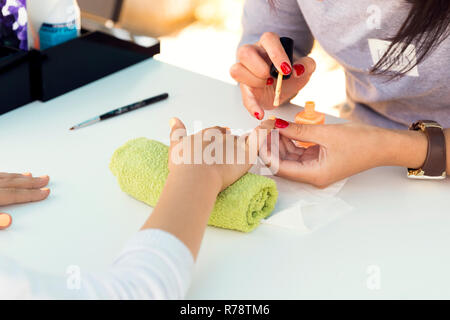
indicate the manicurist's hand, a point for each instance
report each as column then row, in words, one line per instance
column 20, row 188
column 342, row 150
column 200, row 166
column 253, row 73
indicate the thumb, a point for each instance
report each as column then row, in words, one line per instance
column 5, row 220
column 303, row 132
column 177, row 130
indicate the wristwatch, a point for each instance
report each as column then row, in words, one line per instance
column 435, row 163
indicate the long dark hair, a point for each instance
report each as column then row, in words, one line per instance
column 426, row 26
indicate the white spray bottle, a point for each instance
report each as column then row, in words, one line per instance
column 52, row 22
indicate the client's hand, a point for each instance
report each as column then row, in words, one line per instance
column 341, row 150
column 213, row 154
column 20, row 188
column 200, row 166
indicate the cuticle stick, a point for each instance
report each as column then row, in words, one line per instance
column 276, row 101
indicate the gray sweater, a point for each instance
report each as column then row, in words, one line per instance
column 354, row 33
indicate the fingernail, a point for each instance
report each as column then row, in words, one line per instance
column 286, row 68
column 270, row 81
column 5, row 220
column 299, row 69
column 280, row 123
column 257, row 115
column 44, row 177
column 172, row 122
column 27, row 174
column 45, row 189
column 272, row 118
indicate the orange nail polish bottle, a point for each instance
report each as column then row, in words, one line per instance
column 308, row 116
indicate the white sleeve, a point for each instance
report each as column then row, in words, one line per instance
column 153, row 265
column 285, row 19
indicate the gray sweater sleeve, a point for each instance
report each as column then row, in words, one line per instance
column 285, row 19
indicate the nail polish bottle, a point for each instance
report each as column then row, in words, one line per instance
column 288, row 45
column 308, row 116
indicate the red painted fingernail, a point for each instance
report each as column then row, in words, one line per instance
column 286, row 68
column 257, row 115
column 280, row 123
column 269, row 81
column 299, row 69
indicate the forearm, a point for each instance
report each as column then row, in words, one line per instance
column 185, row 205
column 409, row 148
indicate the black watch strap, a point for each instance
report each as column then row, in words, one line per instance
column 435, row 163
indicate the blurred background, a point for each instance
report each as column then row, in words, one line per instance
column 202, row 36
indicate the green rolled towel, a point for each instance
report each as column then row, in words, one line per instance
column 141, row 168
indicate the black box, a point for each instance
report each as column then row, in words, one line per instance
column 44, row 75
column 15, row 81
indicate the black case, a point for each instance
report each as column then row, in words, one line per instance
column 44, row 75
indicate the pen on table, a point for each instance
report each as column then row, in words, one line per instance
column 122, row 110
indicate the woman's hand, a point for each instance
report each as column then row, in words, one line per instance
column 20, row 188
column 342, row 150
column 253, row 73
column 215, row 158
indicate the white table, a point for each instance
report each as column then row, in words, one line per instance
column 399, row 226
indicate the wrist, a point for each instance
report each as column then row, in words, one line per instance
column 405, row 148
column 195, row 177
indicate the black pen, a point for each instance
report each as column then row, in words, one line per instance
column 119, row 111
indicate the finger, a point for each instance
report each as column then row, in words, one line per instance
column 223, row 130
column 298, row 171
column 12, row 196
column 271, row 43
column 251, row 103
column 316, row 133
column 4, row 175
column 25, row 182
column 303, row 69
column 243, row 75
column 210, row 132
column 258, row 136
column 282, row 149
column 291, row 147
column 292, row 152
column 250, row 56
column 5, row 220
column 177, row 130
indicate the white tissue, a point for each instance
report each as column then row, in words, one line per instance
column 303, row 207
